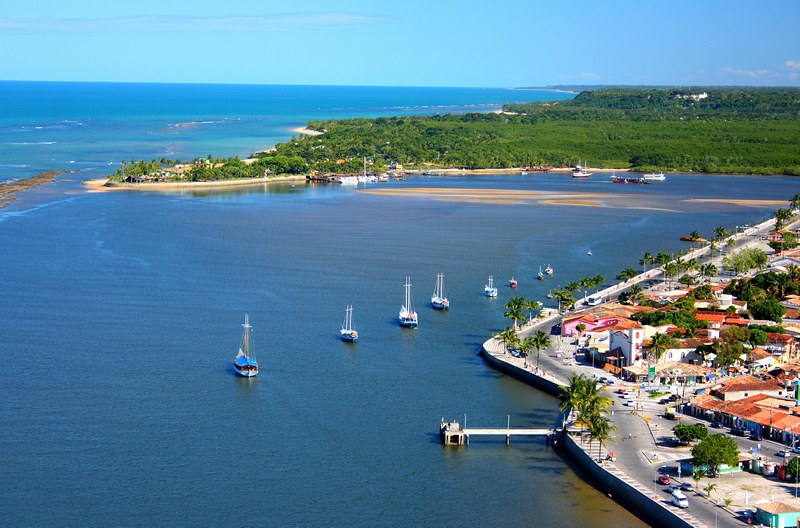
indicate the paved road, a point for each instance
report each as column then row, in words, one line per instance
column 643, row 448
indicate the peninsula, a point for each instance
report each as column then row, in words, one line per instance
column 712, row 130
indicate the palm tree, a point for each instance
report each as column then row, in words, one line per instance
column 600, row 429
column 508, row 337
column 659, row 344
column 795, row 202
column 710, row 488
column 525, row 346
column 586, row 283
column 781, row 217
column 532, row 306
column 707, row 270
column 540, row 341
column 572, row 286
column 671, row 270
column 627, row 274
column 697, row 475
column 597, row 281
column 720, row 233
column 635, row 294
column 514, row 310
column 645, row 260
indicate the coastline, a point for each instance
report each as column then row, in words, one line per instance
column 103, row 184
column 627, row 477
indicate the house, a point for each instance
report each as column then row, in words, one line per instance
column 745, row 386
column 781, row 345
column 777, row 514
column 627, row 336
column 759, row 359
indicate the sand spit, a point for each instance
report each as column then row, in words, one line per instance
column 307, row 131
column 103, row 185
column 9, row 190
column 742, row 203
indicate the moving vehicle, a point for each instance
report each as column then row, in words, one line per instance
column 594, row 300
column 679, row 499
column 663, row 479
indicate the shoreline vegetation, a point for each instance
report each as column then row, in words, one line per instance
column 712, row 131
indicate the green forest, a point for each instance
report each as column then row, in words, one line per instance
column 719, row 130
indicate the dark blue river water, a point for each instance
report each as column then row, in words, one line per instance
column 120, row 313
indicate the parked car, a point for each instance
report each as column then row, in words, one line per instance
column 673, row 397
column 686, row 486
column 662, row 401
column 796, row 449
column 673, row 487
column 756, row 436
column 717, row 425
column 737, row 431
column 663, row 479
column 783, row 453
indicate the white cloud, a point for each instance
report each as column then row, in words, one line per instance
column 752, row 74
column 267, row 23
column 795, row 65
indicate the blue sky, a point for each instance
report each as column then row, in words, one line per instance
column 505, row 43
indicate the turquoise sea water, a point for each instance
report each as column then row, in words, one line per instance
column 93, row 126
column 120, row 314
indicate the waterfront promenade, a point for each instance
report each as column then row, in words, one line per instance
column 643, row 444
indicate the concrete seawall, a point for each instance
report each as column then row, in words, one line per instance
column 607, row 478
column 624, row 490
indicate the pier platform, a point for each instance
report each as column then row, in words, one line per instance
column 451, row 433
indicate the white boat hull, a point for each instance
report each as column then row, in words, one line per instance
column 246, row 373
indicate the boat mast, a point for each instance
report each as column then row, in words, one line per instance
column 246, row 337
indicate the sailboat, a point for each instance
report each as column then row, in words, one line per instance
column 245, row 363
column 347, row 333
column 512, row 282
column 438, row 300
column 489, row 290
column 407, row 316
column 540, row 275
column 589, row 252
column 579, row 172
column 548, row 270
column 550, row 294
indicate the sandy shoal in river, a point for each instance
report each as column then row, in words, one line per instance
column 516, row 197
column 102, row 184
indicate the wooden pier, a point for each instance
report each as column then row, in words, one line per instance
column 451, row 433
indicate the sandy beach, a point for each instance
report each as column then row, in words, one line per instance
column 306, row 131
column 103, row 185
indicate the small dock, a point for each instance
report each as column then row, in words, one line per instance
column 451, row 433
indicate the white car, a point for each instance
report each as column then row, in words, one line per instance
column 679, row 499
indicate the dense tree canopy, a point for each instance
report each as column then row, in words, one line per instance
column 715, row 450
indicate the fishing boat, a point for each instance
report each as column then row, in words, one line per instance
column 347, row 333
column 407, row 316
column 245, row 363
column 540, row 275
column 512, row 282
column 655, row 176
column 579, row 172
column 550, row 294
column 620, row 179
column 489, row 290
column 438, row 300
column 548, row 270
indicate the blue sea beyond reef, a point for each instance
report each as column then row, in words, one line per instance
column 121, row 312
